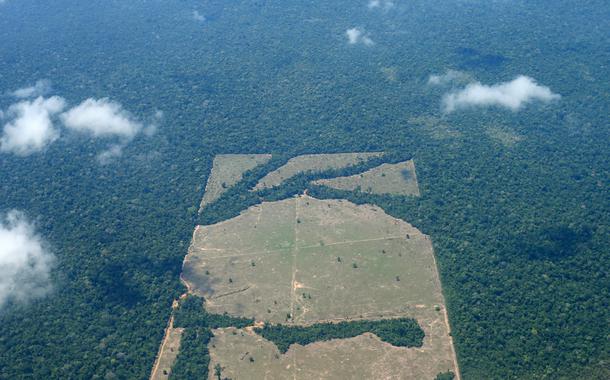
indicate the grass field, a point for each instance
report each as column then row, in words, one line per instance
column 302, row 261
column 312, row 163
column 346, row 258
column 227, row 170
column 396, row 179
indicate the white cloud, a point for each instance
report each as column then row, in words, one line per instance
column 357, row 35
column 381, row 4
column 367, row 41
column 31, row 128
column 110, row 154
column 353, row 35
column 198, row 16
column 25, row 261
column 512, row 95
column 101, row 118
column 42, row 87
column 29, row 124
column 450, row 76
column 151, row 128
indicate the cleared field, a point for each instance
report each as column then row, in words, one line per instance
column 227, row 170
column 168, row 352
column 301, row 261
column 312, row 163
column 397, row 179
column 345, row 257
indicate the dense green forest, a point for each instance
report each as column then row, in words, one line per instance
column 521, row 231
column 402, row 332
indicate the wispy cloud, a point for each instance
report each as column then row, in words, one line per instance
column 512, row 95
column 357, row 36
column 198, row 16
column 113, row 152
column 116, row 150
column 101, row 118
column 25, row 260
column 154, row 123
column 42, row 87
column 450, row 76
column 381, row 4
column 31, row 128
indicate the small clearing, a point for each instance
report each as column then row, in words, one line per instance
column 314, row 163
column 503, row 135
column 227, row 170
column 435, row 127
column 395, row 179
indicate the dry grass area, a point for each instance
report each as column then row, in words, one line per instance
column 168, row 352
column 396, row 179
column 314, row 163
column 503, row 135
column 227, row 170
column 302, row 261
